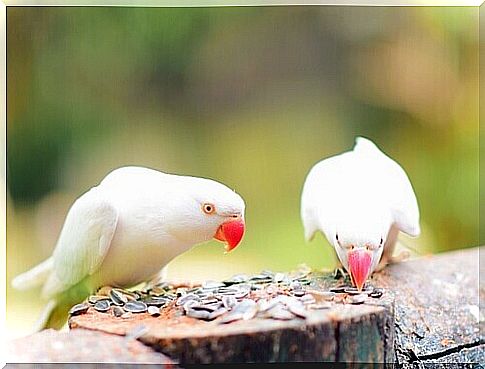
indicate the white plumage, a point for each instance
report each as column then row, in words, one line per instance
column 124, row 230
column 357, row 199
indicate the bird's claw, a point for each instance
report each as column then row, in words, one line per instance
column 339, row 272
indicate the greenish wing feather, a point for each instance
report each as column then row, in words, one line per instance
column 85, row 237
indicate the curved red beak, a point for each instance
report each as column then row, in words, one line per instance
column 231, row 233
column 359, row 264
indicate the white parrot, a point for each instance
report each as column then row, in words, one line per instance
column 123, row 231
column 360, row 200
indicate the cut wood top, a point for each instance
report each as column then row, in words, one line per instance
column 435, row 318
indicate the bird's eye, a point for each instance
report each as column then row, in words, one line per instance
column 336, row 236
column 381, row 242
column 208, row 208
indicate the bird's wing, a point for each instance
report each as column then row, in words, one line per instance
column 319, row 202
column 85, row 237
column 395, row 186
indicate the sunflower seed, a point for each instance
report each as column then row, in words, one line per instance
column 376, row 293
column 307, row 299
column 155, row 302
column 190, row 296
column 135, row 307
column 280, row 313
column 245, row 310
column 296, row 286
column 212, row 285
column 322, row 295
column 95, row 298
column 298, row 293
column 153, row 311
column 229, row 301
column 243, row 291
column 117, row 297
column 265, row 305
column 278, row 277
column 356, row 299
column 338, row 289
column 102, row 305
column 198, row 314
column 130, row 295
column 126, row 315
column 227, row 291
column 352, row 291
column 209, row 308
column 79, row 309
column 190, row 303
column 217, row 313
column 117, row 311
column 298, row 309
column 320, row 306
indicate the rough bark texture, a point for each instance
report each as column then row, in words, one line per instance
column 80, row 345
column 437, row 316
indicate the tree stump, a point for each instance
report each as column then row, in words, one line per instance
column 345, row 332
column 429, row 313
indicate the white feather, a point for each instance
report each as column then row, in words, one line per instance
column 358, row 195
column 132, row 224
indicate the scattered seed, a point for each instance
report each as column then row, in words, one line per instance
column 356, row 299
column 338, row 289
column 198, row 314
column 376, row 293
column 217, row 313
column 117, row 311
column 229, row 301
column 135, row 307
column 95, row 298
column 190, row 296
column 117, row 298
column 79, row 309
column 280, row 313
column 153, row 311
column 321, row 305
column 102, row 306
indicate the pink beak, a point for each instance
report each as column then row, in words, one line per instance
column 359, row 265
column 231, row 233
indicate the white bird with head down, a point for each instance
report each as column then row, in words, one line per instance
column 360, row 200
column 123, row 231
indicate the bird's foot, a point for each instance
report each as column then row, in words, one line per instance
column 104, row 291
column 339, row 272
column 181, row 284
column 403, row 255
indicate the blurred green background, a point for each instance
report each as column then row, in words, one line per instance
column 251, row 97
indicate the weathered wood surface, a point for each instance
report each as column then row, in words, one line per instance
column 358, row 333
column 437, row 307
column 80, row 345
column 433, row 319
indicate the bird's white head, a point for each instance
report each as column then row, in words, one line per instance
column 212, row 210
column 359, row 241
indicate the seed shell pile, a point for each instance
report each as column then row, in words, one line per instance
column 267, row 295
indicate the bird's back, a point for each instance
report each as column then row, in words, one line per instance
column 362, row 181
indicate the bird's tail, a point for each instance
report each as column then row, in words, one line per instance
column 55, row 313
column 34, row 277
column 364, row 145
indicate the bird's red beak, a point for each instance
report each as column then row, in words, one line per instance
column 231, row 233
column 359, row 264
